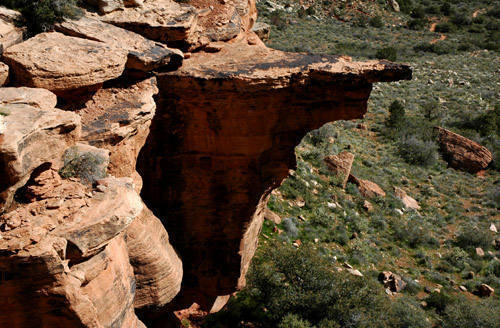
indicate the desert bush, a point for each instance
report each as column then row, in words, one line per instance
column 418, row 152
column 88, row 167
column 472, row 313
column 418, row 12
column 40, row 15
column 389, row 53
column 294, row 321
column 471, row 236
column 278, row 19
column 417, row 24
column 376, row 22
column 439, row 301
column 445, row 27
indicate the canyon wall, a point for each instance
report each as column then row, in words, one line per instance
column 171, row 117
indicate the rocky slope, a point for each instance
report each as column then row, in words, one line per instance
column 196, row 122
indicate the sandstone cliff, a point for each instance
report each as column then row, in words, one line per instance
column 195, row 121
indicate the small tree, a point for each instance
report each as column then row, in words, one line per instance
column 397, row 114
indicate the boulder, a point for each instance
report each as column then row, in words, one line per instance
column 341, row 165
column 32, row 137
column 262, row 30
column 394, row 5
column 165, row 21
column 33, row 97
column 43, row 61
column 408, row 202
column 462, row 153
column 4, row 75
column 143, row 54
column 271, row 216
column 367, row 188
column 485, row 290
column 64, row 252
column 10, row 33
column 392, row 281
column 86, row 163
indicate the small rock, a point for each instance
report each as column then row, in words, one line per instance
column 470, row 275
column 462, row 288
column 355, row 272
column 479, row 251
column 271, row 216
column 392, row 281
column 347, row 265
column 409, row 202
column 367, row 206
column 4, row 74
column 397, row 210
column 493, row 228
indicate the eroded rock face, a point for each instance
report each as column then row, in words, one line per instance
column 63, row 259
column 462, row 153
column 31, row 137
column 43, row 62
column 4, row 74
column 224, row 136
column 143, row 54
column 10, row 34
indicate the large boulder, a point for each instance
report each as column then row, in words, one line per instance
column 341, row 165
column 31, row 137
column 161, row 20
column 367, row 188
column 143, row 54
column 34, row 97
column 262, row 30
column 44, row 61
column 10, row 33
column 462, row 153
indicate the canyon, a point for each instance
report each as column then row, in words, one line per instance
column 138, row 147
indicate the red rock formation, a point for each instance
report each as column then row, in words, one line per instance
column 462, row 153
column 224, row 136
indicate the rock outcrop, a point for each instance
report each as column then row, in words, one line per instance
column 31, row 137
column 462, row 153
column 224, row 136
column 204, row 137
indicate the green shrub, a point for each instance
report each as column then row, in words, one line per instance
column 294, row 321
column 418, row 152
column 389, row 53
column 472, row 313
column 439, row 301
column 471, row 236
column 376, row 22
column 417, row 24
column 418, row 12
column 445, row 27
column 40, row 15
column 88, row 167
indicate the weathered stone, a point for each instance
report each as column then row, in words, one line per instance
column 207, row 158
column 485, row 290
column 10, row 34
column 34, row 97
column 30, row 138
column 462, row 153
column 43, row 61
column 340, row 165
column 143, row 54
column 271, row 216
column 118, row 119
column 161, row 20
column 392, row 281
column 394, row 5
column 408, row 202
column 4, row 75
column 157, row 268
column 367, row 188
column 68, row 266
column 262, row 30
column 86, row 163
